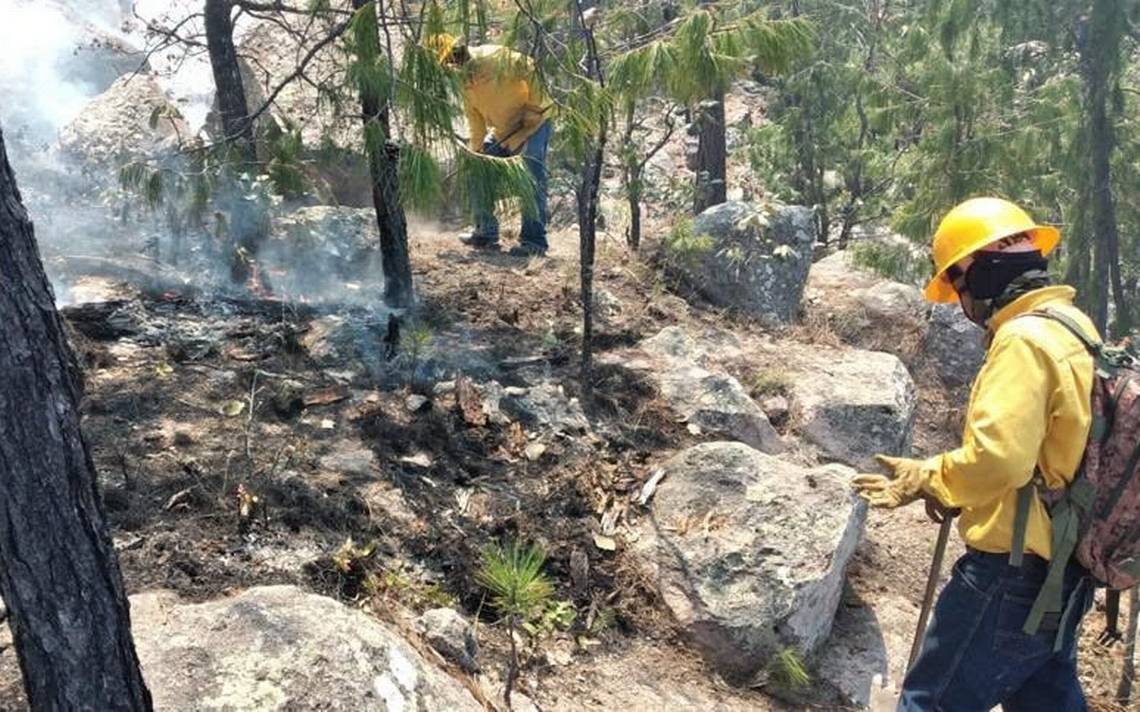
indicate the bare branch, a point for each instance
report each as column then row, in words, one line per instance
column 299, row 70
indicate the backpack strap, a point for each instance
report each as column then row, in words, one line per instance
column 1066, row 534
column 1070, row 324
column 1021, row 522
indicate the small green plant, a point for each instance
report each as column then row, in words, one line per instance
column 771, row 382
column 684, row 248
column 556, row 615
column 605, row 619
column 417, row 343
column 350, row 562
column 519, row 589
column 787, row 671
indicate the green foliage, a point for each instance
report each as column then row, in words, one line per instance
column 421, row 179
column 285, row 150
column 555, row 616
column 684, row 248
column 895, row 261
column 415, row 343
column 485, row 182
column 707, row 50
column 369, row 71
column 429, row 95
column 788, row 672
column 514, row 577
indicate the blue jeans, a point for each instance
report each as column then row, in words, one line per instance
column 533, row 226
column 975, row 655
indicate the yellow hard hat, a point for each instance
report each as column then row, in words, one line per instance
column 441, row 43
column 971, row 226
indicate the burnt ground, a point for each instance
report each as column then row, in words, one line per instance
column 204, row 397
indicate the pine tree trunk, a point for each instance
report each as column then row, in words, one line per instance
column 246, row 221
column 1099, row 55
column 232, row 107
column 712, row 155
column 587, row 198
column 383, row 156
column 59, row 575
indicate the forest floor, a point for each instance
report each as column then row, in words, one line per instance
column 209, row 394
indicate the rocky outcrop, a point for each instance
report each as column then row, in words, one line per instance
column 954, row 344
column 755, row 261
column 450, row 635
column 333, row 138
column 324, row 251
column 280, row 648
column 749, row 551
column 863, row 308
column 99, row 60
column 853, row 404
column 132, row 120
column 709, row 400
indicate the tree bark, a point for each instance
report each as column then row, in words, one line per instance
column 232, row 107
column 712, row 155
column 59, row 576
column 246, row 220
column 1099, row 56
column 587, row 199
column 383, row 156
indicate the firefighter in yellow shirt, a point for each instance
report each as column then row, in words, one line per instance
column 1027, row 422
column 508, row 114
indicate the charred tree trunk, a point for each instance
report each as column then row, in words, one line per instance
column 246, row 224
column 712, row 155
column 383, row 156
column 632, row 170
column 587, row 199
column 58, row 572
column 232, row 107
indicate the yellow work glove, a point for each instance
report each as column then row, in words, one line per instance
column 904, row 487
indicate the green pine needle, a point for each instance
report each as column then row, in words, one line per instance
column 487, row 182
column 514, row 577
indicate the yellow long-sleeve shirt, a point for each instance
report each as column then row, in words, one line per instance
column 500, row 93
column 1029, row 407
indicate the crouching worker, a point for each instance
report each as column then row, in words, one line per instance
column 1028, row 418
column 501, row 93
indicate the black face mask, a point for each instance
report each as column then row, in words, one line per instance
column 992, row 272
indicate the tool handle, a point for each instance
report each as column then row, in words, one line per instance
column 931, row 587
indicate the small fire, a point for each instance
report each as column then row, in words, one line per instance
column 257, row 284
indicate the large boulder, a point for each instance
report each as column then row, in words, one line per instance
column 132, row 120
column 280, row 648
column 335, row 246
column 99, row 60
column 756, row 261
column 749, row 551
column 333, row 138
column 863, row 308
column 853, row 404
column 708, row 399
column 954, row 344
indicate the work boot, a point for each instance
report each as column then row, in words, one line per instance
column 479, row 242
column 525, row 249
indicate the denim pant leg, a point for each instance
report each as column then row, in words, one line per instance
column 486, row 224
column 1055, row 686
column 974, row 654
column 534, row 152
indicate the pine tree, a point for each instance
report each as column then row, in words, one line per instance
column 696, row 59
